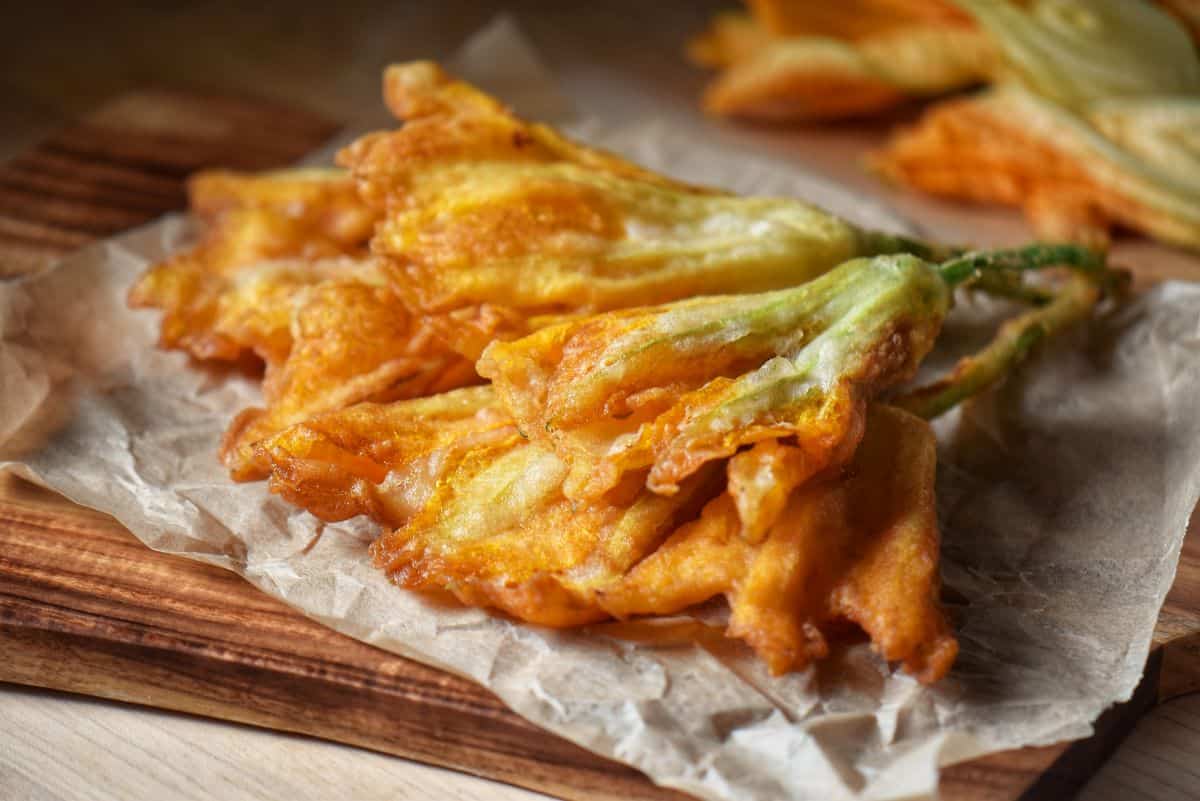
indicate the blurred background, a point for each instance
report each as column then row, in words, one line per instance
column 63, row 58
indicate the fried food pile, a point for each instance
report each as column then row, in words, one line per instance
column 494, row 225
column 1089, row 119
column 282, row 273
column 573, row 390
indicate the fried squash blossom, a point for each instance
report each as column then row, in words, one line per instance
column 1088, row 119
column 575, row 391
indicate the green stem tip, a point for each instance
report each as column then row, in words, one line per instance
column 1011, row 346
column 976, row 264
column 993, row 271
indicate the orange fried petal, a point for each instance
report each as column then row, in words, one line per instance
column 761, row 480
column 963, row 149
column 1007, row 147
column 480, row 514
column 891, row 586
column 801, row 79
column 382, row 460
column 860, row 547
column 246, row 219
column 254, row 307
column 499, row 532
column 352, row 341
column 853, row 19
column 670, row 388
column 482, row 207
column 823, row 61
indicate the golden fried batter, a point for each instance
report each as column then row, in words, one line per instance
column 254, row 309
column 480, row 514
column 289, row 214
column 479, row 509
column 761, row 479
column 1009, row 146
column 499, row 532
column 382, row 460
column 281, row 272
column 860, row 546
column 352, row 340
column 803, row 60
column 1083, row 143
column 484, row 208
column 571, row 490
column 672, row 387
column 794, row 59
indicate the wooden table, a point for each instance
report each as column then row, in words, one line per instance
column 326, row 59
column 81, row 749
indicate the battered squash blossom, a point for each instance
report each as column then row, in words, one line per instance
column 489, row 221
column 1091, row 119
column 483, row 226
column 568, row 491
column 749, row 438
column 672, row 387
column 296, row 215
column 669, row 388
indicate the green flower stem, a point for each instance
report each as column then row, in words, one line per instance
column 1074, row 301
column 972, row 266
column 1010, row 287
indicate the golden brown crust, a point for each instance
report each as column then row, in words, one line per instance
column 336, row 465
column 861, row 545
column 971, row 149
column 810, row 61
column 670, row 388
column 367, row 409
column 481, row 207
column 448, row 121
column 247, row 219
column 479, row 513
column 774, row 90
column 352, row 341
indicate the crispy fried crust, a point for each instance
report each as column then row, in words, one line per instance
column 494, row 229
column 962, row 150
column 891, row 587
column 499, row 532
column 479, row 513
column 352, row 341
column 484, row 208
column 673, row 387
column 478, row 509
column 254, row 309
column 761, row 480
column 382, row 460
column 859, row 546
column 280, row 272
column 794, row 61
column 298, row 215
column 854, row 19
column 1007, row 147
column 805, row 61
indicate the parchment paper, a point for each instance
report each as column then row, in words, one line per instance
column 1063, row 500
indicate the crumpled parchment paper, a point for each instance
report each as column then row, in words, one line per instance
column 1063, row 498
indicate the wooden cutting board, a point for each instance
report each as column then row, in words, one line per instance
column 86, row 608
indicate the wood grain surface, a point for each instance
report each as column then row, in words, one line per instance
column 84, row 607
